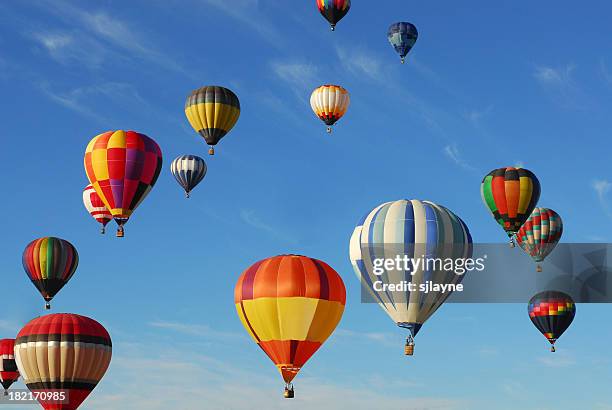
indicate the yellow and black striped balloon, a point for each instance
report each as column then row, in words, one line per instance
column 212, row 111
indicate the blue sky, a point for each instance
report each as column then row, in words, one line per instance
column 485, row 86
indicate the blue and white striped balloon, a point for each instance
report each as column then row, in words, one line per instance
column 188, row 170
column 416, row 228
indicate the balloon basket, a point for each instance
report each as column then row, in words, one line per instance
column 329, row 130
column 512, row 243
column 333, row 27
column 289, row 393
column 120, row 233
column 409, row 350
column 187, row 195
column 403, row 60
column 47, row 306
column 539, row 268
column 211, row 151
column 5, row 392
column 553, row 349
column 102, row 231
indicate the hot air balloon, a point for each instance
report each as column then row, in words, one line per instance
column 8, row 368
column 188, row 170
column 95, row 206
column 333, row 10
column 290, row 305
column 50, row 263
column 412, row 229
column 511, row 194
column 540, row 234
column 329, row 103
column 122, row 167
column 62, row 352
column 402, row 37
column 212, row 111
column 552, row 312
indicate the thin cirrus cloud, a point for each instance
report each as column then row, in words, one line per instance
column 301, row 77
column 249, row 217
column 190, row 378
column 602, row 188
column 198, row 330
column 452, row 152
column 361, row 62
column 559, row 83
column 77, row 99
column 96, row 38
column 248, row 13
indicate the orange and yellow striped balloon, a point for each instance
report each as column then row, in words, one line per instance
column 290, row 305
column 329, row 103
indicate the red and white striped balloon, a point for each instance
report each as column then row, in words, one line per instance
column 94, row 205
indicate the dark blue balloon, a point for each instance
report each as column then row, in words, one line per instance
column 402, row 37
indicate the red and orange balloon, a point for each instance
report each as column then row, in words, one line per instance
column 290, row 305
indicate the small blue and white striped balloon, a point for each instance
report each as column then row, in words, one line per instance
column 188, row 170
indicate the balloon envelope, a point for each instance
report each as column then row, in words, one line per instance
column 8, row 367
column 50, row 263
column 95, row 206
column 330, row 103
column 540, row 233
column 212, row 111
column 63, row 351
column 510, row 194
column 189, row 171
column 333, row 10
column 551, row 312
column 290, row 305
column 402, row 37
column 122, row 166
column 418, row 228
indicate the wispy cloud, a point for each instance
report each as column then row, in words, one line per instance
column 301, row 77
column 559, row 82
column 97, row 37
column 191, row 329
column 605, row 73
column 555, row 76
column 248, row 12
column 452, row 152
column 560, row 359
column 360, row 62
column 475, row 117
column 249, row 217
column 189, row 379
column 80, row 99
column 380, row 338
column 601, row 188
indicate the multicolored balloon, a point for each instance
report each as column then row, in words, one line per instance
column 511, row 194
column 122, row 167
column 95, row 206
column 330, row 103
column 50, row 263
column 212, row 111
column 415, row 229
column 290, row 305
column 63, row 352
column 8, row 367
column 333, row 10
column 552, row 312
column 402, row 37
column 189, row 171
column 540, row 234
